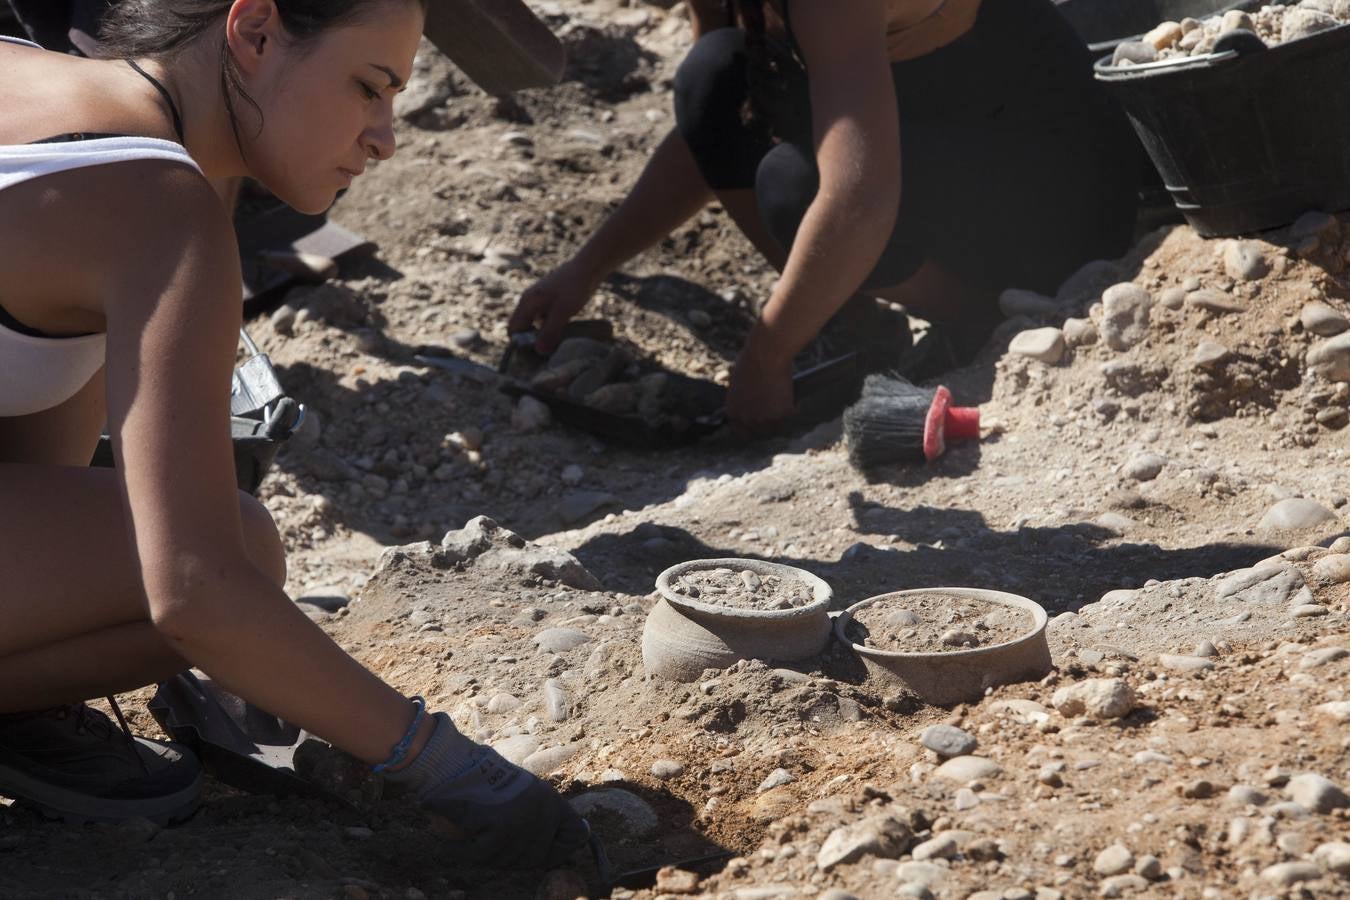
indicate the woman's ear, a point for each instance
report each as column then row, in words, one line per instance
column 251, row 31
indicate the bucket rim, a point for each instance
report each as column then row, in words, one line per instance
column 1105, row 71
column 1040, row 620
column 821, row 591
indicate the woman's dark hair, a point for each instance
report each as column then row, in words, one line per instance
column 159, row 29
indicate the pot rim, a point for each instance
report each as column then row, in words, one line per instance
column 1001, row 598
column 821, row 592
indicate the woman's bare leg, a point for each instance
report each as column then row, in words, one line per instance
column 76, row 621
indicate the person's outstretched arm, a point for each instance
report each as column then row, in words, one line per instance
column 668, row 193
column 857, row 141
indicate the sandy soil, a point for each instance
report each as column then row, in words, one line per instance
column 1190, row 740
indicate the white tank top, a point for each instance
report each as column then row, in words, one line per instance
column 38, row 373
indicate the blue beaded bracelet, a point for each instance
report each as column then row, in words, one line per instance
column 400, row 751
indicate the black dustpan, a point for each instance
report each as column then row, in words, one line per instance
column 238, row 743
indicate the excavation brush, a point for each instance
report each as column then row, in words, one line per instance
column 895, row 421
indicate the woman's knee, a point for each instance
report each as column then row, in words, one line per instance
column 785, row 187
column 711, row 84
column 261, row 539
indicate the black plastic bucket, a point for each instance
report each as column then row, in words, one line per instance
column 1246, row 140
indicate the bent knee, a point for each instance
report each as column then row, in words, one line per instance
column 261, row 539
column 711, row 85
column 786, row 185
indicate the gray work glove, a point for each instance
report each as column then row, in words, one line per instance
column 508, row 816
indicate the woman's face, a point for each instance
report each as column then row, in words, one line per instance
column 327, row 106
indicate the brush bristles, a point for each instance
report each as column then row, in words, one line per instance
column 886, row 429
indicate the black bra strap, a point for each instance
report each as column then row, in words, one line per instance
column 168, row 98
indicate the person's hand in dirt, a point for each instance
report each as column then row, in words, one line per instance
column 761, row 388
column 506, row 817
column 552, row 302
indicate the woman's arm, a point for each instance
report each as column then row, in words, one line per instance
column 857, row 138
column 173, row 310
column 667, row 194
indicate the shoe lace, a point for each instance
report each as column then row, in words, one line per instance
column 88, row 720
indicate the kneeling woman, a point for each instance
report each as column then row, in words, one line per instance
column 119, row 281
column 930, row 152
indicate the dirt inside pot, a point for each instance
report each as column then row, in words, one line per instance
column 936, row 623
column 744, row 589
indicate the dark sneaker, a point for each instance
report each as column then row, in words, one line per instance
column 72, row 763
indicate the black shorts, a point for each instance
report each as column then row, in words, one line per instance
column 1016, row 167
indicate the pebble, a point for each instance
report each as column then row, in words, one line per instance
column 1246, row 795
column 1295, row 513
column 948, row 740
column 1206, row 649
column 1334, row 569
column 1120, row 885
column 530, row 415
column 965, row 769
column 636, row 815
column 880, row 836
column 542, row 762
column 1288, row 873
column 1322, row 320
column 516, row 748
column 1080, row 332
column 940, row 847
column 1134, row 53
column 1316, row 793
column 1338, row 710
column 283, row 319
column 837, row 894
column 776, row 778
column 1300, row 22
column 1213, row 301
column 1245, row 261
column 465, row 338
column 572, row 475
column 921, row 873
column 1308, row 611
column 556, row 702
column 1044, row 345
column 1330, row 360
column 666, row 769
column 1100, row 698
column 560, row 640
column 1185, row 663
column 965, row 799
column 1314, row 659
column 1114, row 860
column 956, row 638
column 1144, row 466
column 1148, row 866
column 1125, row 314
column 1334, row 857
column 670, row 880
column 502, row 703
column 1209, row 355
column 1173, row 298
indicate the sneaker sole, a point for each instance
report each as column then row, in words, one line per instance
column 75, row 808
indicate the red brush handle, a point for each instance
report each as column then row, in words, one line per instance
column 963, row 423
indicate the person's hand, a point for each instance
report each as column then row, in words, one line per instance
column 761, row 389
column 503, row 816
column 552, row 302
